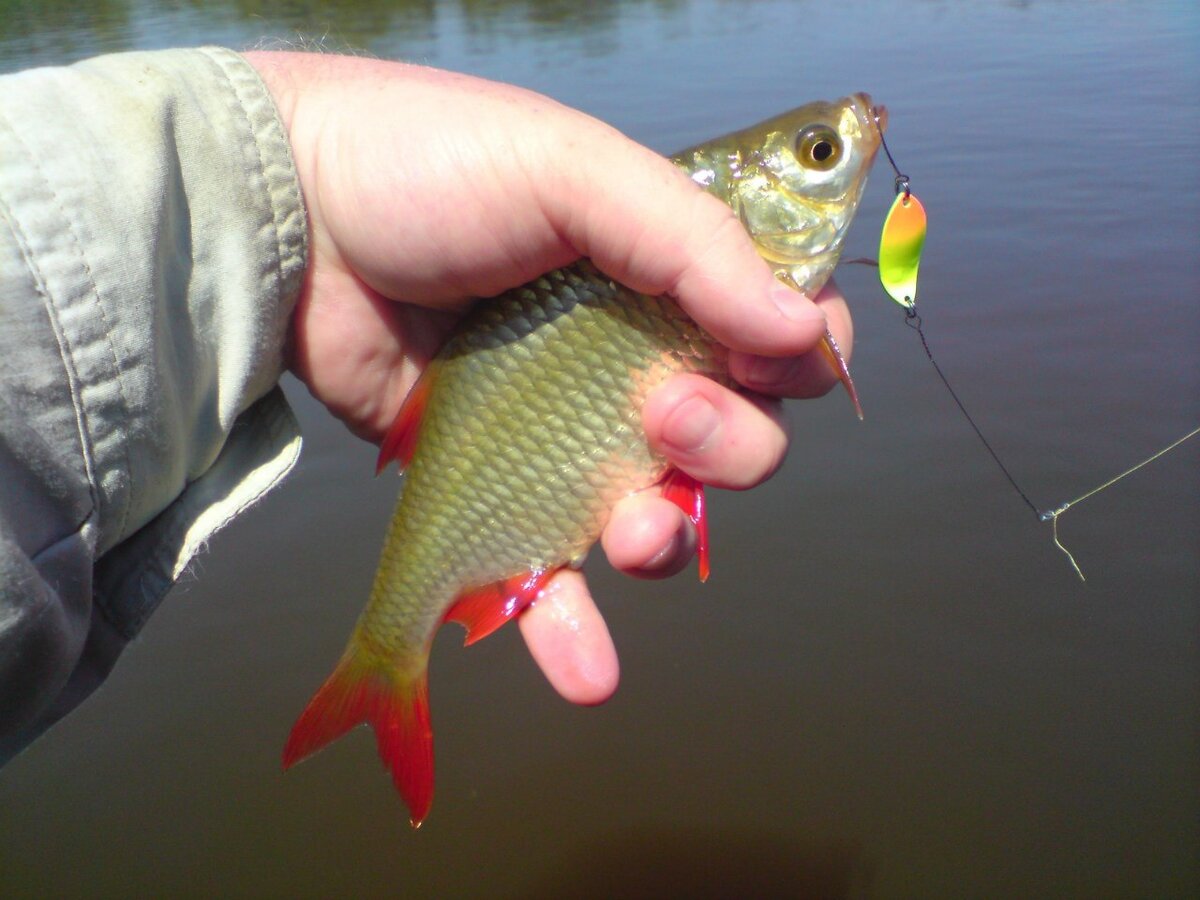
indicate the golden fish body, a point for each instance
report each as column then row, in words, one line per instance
column 531, row 434
column 526, row 429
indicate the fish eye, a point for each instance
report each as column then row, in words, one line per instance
column 818, row 147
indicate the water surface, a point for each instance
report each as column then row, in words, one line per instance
column 893, row 684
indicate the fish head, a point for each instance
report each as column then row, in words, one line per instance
column 795, row 180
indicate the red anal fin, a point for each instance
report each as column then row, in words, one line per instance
column 396, row 708
column 688, row 494
column 482, row 610
column 401, row 440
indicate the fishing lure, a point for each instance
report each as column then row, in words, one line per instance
column 900, row 244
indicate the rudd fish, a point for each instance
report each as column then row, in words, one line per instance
column 526, row 429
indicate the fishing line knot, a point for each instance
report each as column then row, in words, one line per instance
column 1049, row 515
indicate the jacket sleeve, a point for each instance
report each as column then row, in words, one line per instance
column 152, row 244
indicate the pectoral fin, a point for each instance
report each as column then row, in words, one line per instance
column 837, row 362
column 401, row 440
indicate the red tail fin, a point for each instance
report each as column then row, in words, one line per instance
column 395, row 707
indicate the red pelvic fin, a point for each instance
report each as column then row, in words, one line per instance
column 688, row 494
column 401, row 440
column 482, row 610
column 395, row 707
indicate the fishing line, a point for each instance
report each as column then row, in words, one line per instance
column 900, row 245
column 1051, row 515
column 913, row 321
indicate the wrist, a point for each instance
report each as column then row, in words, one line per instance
column 279, row 73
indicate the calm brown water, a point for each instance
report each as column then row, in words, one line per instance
column 893, row 685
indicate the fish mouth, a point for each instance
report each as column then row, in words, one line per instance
column 874, row 117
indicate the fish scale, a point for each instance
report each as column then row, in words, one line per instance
column 647, row 339
column 525, row 430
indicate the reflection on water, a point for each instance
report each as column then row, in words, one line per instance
column 61, row 30
column 58, row 30
column 893, row 683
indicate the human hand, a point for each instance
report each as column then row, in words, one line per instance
column 427, row 189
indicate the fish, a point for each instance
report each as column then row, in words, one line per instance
column 525, row 429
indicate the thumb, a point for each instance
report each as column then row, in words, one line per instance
column 644, row 223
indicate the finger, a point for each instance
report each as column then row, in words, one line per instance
column 569, row 641
column 648, row 536
column 717, row 436
column 654, row 230
column 806, row 375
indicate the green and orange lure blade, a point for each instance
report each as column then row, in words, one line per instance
column 901, row 241
column 900, row 246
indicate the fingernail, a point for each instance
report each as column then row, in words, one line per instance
column 770, row 371
column 691, row 427
column 794, row 305
column 664, row 557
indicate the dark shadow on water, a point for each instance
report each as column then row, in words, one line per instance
column 709, row 862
